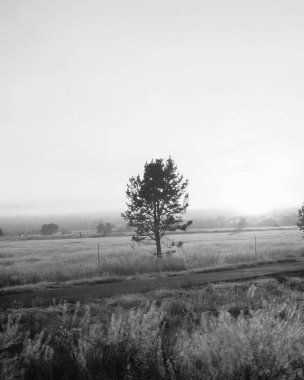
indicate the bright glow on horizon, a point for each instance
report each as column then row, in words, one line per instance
column 91, row 90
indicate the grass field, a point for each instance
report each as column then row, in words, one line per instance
column 46, row 262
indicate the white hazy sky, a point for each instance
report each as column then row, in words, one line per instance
column 91, row 89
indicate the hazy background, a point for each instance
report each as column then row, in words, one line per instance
column 90, row 90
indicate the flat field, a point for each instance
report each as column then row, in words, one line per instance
column 46, row 262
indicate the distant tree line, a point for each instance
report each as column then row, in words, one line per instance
column 245, row 221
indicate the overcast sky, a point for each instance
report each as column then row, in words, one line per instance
column 91, row 89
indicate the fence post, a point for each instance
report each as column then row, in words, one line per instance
column 98, row 253
column 255, row 248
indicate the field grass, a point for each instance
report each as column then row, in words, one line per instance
column 49, row 262
column 245, row 330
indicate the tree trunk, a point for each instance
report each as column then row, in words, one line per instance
column 156, row 226
column 158, row 246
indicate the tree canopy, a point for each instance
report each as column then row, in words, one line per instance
column 157, row 201
column 301, row 219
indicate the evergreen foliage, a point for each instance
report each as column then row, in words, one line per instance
column 300, row 223
column 157, row 202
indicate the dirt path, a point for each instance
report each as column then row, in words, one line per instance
column 141, row 286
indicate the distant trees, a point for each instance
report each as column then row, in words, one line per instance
column 288, row 220
column 157, row 202
column 1, row 232
column 104, row 229
column 242, row 223
column 100, row 228
column 49, row 229
column 268, row 222
column 300, row 223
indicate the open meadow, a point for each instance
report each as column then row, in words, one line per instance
column 25, row 263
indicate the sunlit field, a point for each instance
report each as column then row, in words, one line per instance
column 55, row 261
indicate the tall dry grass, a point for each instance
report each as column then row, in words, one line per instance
column 55, row 261
column 166, row 338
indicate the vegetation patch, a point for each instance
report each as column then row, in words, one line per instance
column 64, row 261
column 244, row 330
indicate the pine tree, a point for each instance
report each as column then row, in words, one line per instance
column 156, row 202
column 300, row 223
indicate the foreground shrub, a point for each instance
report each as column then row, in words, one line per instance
column 128, row 344
column 268, row 344
column 19, row 352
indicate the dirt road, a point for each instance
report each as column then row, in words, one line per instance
column 141, row 286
